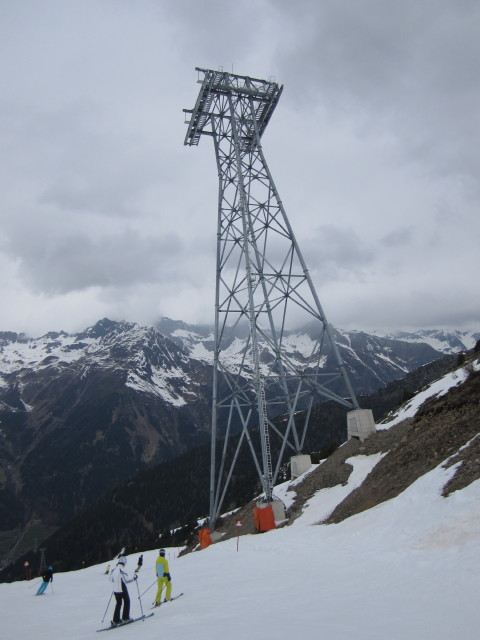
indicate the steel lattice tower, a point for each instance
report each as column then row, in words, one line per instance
column 262, row 285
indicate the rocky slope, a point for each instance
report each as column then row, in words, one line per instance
column 445, row 429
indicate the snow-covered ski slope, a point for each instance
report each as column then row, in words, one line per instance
column 405, row 570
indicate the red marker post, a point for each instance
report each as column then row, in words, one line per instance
column 238, row 525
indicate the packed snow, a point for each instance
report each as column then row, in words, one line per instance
column 158, row 383
column 406, row 569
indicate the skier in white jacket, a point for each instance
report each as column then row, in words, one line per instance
column 120, row 578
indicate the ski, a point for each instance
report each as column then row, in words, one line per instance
column 123, row 624
column 155, row 606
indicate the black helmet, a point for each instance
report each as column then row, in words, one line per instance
column 161, row 552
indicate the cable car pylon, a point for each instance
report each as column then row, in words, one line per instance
column 263, row 291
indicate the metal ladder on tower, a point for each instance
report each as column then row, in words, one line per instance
column 259, row 383
column 266, row 436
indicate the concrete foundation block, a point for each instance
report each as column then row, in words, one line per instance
column 299, row 464
column 360, row 424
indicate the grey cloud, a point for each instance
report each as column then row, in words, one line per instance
column 81, row 168
column 407, row 67
column 374, row 138
column 72, row 263
column 210, row 29
column 398, row 237
column 395, row 308
column 334, row 252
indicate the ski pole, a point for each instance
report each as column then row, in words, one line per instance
column 51, row 584
column 154, row 582
column 107, row 607
column 139, row 598
column 34, row 584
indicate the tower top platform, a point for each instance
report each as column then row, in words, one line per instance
column 261, row 95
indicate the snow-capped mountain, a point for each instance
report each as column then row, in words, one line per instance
column 198, row 339
column 150, row 362
column 163, row 361
column 81, row 413
column 106, row 342
column 372, row 360
column 441, row 340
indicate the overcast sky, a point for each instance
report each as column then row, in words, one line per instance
column 374, row 148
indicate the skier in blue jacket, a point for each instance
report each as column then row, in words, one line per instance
column 46, row 577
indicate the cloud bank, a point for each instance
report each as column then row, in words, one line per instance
column 372, row 146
